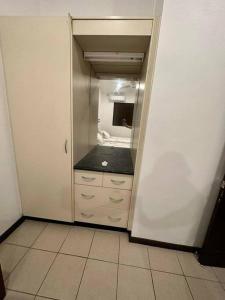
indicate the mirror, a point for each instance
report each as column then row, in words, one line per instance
column 115, row 112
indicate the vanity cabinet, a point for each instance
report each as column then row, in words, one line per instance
column 102, row 198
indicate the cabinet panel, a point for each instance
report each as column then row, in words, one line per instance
column 112, row 27
column 104, row 215
column 118, row 181
column 88, row 178
column 88, row 197
column 37, row 62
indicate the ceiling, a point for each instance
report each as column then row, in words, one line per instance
column 99, row 43
column 115, row 44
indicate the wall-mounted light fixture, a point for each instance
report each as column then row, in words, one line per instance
column 114, row 57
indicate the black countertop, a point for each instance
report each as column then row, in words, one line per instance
column 119, row 160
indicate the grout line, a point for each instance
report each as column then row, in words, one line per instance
column 185, row 277
column 7, row 277
column 64, row 239
column 95, row 230
column 18, row 245
column 222, row 284
column 39, row 235
column 44, row 297
column 27, row 247
column 123, row 264
column 26, row 293
column 148, row 259
column 153, row 286
column 214, row 272
column 56, row 255
column 191, row 276
column 85, row 265
column 12, row 290
column 117, row 278
column 189, row 288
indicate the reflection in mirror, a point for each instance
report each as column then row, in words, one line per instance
column 115, row 112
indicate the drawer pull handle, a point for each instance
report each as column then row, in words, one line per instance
column 114, row 219
column 88, row 179
column 88, row 197
column 115, row 200
column 117, row 182
column 87, row 216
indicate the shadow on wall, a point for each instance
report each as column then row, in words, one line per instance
column 175, row 205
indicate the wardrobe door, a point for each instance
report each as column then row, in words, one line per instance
column 37, row 62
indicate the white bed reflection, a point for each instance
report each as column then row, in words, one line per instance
column 105, row 139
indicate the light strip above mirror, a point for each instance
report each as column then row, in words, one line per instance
column 114, row 57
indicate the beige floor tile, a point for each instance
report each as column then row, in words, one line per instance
column 164, row 260
column 11, row 295
column 42, row 298
column 105, row 246
column 99, row 281
column 31, row 271
column 52, row 237
column 133, row 254
column 205, row 289
column 134, row 283
column 26, row 233
column 64, row 277
column 220, row 273
column 170, row 286
column 10, row 255
column 78, row 241
column 191, row 267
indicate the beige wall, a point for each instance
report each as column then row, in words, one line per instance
column 138, row 108
column 81, row 93
column 93, row 115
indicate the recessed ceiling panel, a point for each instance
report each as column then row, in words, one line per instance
column 113, row 43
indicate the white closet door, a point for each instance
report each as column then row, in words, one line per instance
column 37, row 62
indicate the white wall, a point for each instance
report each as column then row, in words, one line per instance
column 10, row 205
column 87, row 8
column 185, row 130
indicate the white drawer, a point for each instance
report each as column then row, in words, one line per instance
column 104, row 216
column 88, row 178
column 89, row 197
column 118, row 181
column 117, row 198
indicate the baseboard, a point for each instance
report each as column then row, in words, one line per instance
column 98, row 226
column 162, row 244
column 76, row 223
column 132, row 239
column 48, row 220
column 11, row 229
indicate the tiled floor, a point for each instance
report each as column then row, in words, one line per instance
column 50, row 261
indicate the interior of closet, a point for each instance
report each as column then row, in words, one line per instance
column 110, row 65
column 109, row 71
